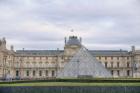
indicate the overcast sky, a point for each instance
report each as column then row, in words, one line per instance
column 43, row 24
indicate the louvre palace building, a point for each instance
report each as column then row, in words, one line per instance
column 43, row 64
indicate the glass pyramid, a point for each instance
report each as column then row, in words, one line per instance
column 83, row 64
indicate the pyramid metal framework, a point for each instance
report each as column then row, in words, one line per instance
column 83, row 64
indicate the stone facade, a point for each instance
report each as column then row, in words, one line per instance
column 43, row 64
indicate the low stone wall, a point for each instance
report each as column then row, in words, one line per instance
column 67, row 89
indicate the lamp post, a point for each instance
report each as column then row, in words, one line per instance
column 133, row 63
column 57, row 65
column 4, row 66
column 20, row 66
column 78, row 68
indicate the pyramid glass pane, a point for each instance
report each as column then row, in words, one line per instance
column 83, row 64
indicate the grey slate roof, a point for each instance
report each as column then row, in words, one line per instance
column 39, row 52
column 73, row 40
column 109, row 52
column 56, row 52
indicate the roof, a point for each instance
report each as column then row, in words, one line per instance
column 39, row 52
column 109, row 52
column 57, row 52
column 73, row 40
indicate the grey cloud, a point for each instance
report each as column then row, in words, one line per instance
column 88, row 9
column 107, row 22
column 31, row 36
column 40, row 45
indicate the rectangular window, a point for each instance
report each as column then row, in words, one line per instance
column 128, row 64
column 54, row 62
column 40, row 73
column 46, row 72
column 111, row 58
column 99, row 58
column 34, row 64
column 34, row 73
column 118, row 64
column 34, row 58
column 117, row 58
column 17, row 73
column 40, row 64
column 105, row 58
column 62, row 57
column 27, row 73
column 112, row 64
column 28, row 64
column 9, row 72
column 53, row 73
column 118, row 72
column 106, row 64
column 128, row 72
column 112, row 72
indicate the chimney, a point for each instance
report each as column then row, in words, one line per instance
column 23, row 49
column 12, row 48
column 80, row 39
column 65, row 40
column 133, row 48
column 0, row 44
column 3, row 43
